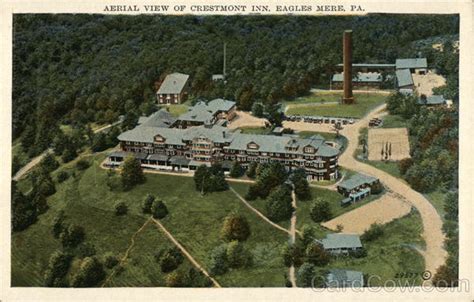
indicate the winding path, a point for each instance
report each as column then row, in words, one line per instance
column 434, row 253
column 184, row 251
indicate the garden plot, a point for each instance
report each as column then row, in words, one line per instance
column 381, row 211
column 397, row 140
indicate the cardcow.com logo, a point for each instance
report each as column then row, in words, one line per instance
column 404, row 282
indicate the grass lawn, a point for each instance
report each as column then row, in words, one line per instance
column 194, row 220
column 391, row 253
column 177, row 109
column 255, row 130
column 141, row 269
column 391, row 167
column 394, row 121
column 334, row 199
column 259, row 204
column 437, row 199
column 317, row 97
column 364, row 103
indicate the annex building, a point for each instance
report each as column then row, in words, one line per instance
column 174, row 89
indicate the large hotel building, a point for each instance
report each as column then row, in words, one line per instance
column 166, row 143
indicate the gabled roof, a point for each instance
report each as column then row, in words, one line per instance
column 203, row 112
column 404, row 77
column 411, row 63
column 338, row 241
column 173, row 83
column 344, row 278
column 220, row 105
column 356, row 181
column 160, row 118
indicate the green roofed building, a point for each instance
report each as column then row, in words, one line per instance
column 344, row 278
column 356, row 184
column 341, row 243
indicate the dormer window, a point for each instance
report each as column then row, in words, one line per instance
column 309, row 149
column 252, row 146
column 159, row 139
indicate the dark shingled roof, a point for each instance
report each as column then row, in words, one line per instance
column 160, row 118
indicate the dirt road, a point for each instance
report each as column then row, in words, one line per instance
column 434, row 254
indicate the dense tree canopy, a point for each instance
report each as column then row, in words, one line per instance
column 76, row 69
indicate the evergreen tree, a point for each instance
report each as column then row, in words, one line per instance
column 132, row 173
column 159, row 209
column 236, row 171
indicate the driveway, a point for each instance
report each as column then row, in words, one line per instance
column 434, row 254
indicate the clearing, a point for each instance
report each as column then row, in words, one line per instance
column 244, row 119
column 381, row 211
column 424, row 83
column 364, row 103
column 397, row 137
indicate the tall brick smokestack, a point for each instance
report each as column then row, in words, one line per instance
column 347, row 58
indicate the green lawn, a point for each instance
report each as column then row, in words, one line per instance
column 392, row 253
column 194, row 220
column 177, row 109
column 255, row 130
column 334, row 199
column 394, row 121
column 317, row 97
column 437, row 199
column 364, row 103
column 391, row 167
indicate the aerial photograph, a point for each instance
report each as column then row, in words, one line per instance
column 235, row 151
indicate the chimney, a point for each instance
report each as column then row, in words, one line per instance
column 223, row 134
column 347, row 58
column 223, row 68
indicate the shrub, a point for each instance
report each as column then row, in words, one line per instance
column 219, row 264
column 251, row 171
column 58, row 267
column 120, row 208
column 170, row 259
column 49, row 163
column 305, row 275
column 237, row 255
column 148, row 203
column 110, row 260
column 72, row 236
column 376, row 188
column 236, row 170
column 90, row 273
column 317, row 255
column 235, row 227
column 159, row 209
column 375, row 231
column 62, row 176
column 320, row 211
column 175, row 279
column 82, row 164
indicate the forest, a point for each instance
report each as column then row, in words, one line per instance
column 82, row 69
